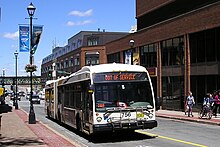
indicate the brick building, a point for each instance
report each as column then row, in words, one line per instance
column 84, row 48
column 178, row 41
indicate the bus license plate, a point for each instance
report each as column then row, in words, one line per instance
column 140, row 115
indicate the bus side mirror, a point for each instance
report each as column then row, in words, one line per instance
column 91, row 89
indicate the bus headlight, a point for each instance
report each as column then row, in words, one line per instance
column 99, row 119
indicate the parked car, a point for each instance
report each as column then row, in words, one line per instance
column 42, row 96
column 12, row 97
column 28, row 96
column 21, row 94
column 35, row 99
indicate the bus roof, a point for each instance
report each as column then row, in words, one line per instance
column 113, row 67
column 83, row 73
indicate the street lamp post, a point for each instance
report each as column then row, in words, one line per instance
column 31, row 9
column 3, row 83
column 16, row 80
column 131, row 43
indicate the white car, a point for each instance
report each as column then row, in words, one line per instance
column 35, row 99
column 28, row 96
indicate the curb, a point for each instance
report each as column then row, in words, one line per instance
column 191, row 120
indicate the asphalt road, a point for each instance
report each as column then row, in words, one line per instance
column 169, row 133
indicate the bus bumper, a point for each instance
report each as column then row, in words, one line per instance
column 124, row 126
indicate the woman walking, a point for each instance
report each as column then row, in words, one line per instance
column 216, row 103
column 190, row 102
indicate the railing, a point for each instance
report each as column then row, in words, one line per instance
column 21, row 80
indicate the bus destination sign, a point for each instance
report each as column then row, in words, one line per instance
column 119, row 76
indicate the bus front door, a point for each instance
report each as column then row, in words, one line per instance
column 86, row 106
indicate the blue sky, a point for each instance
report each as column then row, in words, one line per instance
column 61, row 20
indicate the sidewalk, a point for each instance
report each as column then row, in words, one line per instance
column 16, row 131
column 181, row 116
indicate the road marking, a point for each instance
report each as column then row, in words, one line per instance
column 172, row 139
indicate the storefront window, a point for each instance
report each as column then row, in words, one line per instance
column 172, row 52
column 173, row 92
column 148, row 55
column 114, row 58
column 204, row 46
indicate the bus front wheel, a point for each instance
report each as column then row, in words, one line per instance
column 48, row 113
column 78, row 123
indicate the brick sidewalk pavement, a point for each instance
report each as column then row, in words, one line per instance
column 16, row 131
column 181, row 116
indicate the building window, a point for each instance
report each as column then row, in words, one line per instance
column 113, row 58
column 92, row 41
column 92, row 58
column 172, row 52
column 73, row 46
column 57, row 66
column 62, row 65
column 148, row 55
column 66, row 64
column 79, row 43
column 204, row 46
column 76, row 61
column 173, row 92
column 70, row 63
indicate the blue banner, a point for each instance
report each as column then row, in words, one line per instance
column 24, row 39
column 128, row 57
column 37, row 31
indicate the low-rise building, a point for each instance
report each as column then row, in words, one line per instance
column 84, row 48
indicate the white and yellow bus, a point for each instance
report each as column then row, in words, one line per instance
column 100, row 98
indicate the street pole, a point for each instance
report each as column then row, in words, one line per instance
column 31, row 10
column 16, row 79
column 3, row 83
column 131, row 43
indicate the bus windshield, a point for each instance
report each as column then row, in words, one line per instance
column 123, row 95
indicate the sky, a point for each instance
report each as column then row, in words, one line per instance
column 61, row 20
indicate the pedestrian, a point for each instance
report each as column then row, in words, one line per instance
column 206, row 100
column 190, row 102
column 211, row 99
column 207, row 103
column 186, row 107
column 216, row 103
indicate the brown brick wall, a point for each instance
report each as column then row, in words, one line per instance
column 100, row 49
column 199, row 20
column 144, row 6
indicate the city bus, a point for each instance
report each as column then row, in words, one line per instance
column 103, row 98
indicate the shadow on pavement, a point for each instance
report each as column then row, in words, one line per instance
column 5, row 108
column 7, row 141
column 118, row 137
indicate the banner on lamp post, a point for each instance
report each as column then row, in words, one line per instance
column 128, row 57
column 24, row 39
column 37, row 31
